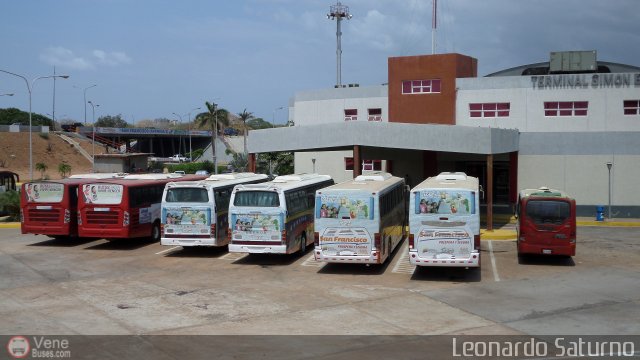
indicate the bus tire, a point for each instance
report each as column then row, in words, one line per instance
column 303, row 243
column 155, row 232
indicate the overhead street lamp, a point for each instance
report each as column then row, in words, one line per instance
column 29, row 88
column 85, row 102
column 273, row 118
column 190, row 151
column 10, row 94
column 180, row 141
column 93, row 142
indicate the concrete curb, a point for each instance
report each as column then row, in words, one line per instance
column 9, row 225
column 497, row 235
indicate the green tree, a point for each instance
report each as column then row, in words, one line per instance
column 280, row 163
column 245, row 116
column 42, row 167
column 239, row 162
column 112, row 121
column 215, row 118
column 10, row 203
column 259, row 123
column 64, row 169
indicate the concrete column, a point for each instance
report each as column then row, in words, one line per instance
column 252, row 162
column 489, row 192
column 357, row 162
column 429, row 163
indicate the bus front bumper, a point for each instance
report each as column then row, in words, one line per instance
column 472, row 261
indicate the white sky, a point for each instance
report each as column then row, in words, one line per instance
column 150, row 59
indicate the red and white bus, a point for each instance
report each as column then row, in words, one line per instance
column 546, row 222
column 48, row 207
column 128, row 207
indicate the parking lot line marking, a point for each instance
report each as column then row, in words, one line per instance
column 311, row 261
column 233, row 256
column 169, row 250
column 403, row 265
column 496, row 277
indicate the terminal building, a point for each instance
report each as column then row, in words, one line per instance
column 572, row 123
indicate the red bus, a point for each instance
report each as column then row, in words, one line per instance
column 48, row 207
column 546, row 222
column 127, row 207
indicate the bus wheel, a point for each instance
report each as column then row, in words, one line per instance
column 155, row 232
column 303, row 246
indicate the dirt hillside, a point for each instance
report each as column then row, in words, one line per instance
column 14, row 153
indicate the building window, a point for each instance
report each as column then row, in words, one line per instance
column 371, row 165
column 421, row 86
column 566, row 108
column 350, row 114
column 348, row 163
column 375, row 114
column 631, row 107
column 489, row 110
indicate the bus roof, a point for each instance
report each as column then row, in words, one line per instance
column 543, row 192
column 369, row 182
column 447, row 180
column 148, row 179
column 98, row 176
column 220, row 180
column 286, row 182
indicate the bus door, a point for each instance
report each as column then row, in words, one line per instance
column 547, row 226
column 345, row 225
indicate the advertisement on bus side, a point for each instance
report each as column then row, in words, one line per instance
column 257, row 226
column 444, row 243
column 182, row 220
column 44, row 192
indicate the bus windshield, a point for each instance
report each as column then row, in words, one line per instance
column 443, row 201
column 44, row 192
column 548, row 211
column 257, row 199
column 102, row 194
column 342, row 206
column 190, row 195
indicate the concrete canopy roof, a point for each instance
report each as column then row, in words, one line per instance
column 337, row 136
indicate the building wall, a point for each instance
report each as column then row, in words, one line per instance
column 430, row 108
column 328, row 105
column 327, row 162
column 605, row 108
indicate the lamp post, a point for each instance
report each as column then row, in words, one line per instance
column 273, row 117
column 339, row 12
column 93, row 142
column 180, row 138
column 10, row 94
column 85, row 102
column 29, row 88
column 190, row 151
column 609, row 166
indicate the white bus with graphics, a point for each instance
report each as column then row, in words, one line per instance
column 362, row 220
column 276, row 216
column 444, row 221
column 194, row 213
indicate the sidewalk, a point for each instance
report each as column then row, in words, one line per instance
column 504, row 226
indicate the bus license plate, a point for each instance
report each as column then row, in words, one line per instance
column 101, row 209
column 547, row 251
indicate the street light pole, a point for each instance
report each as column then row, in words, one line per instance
column 29, row 88
column 180, row 138
column 609, row 165
column 273, row 117
column 10, row 94
column 190, row 151
column 93, row 142
column 85, row 102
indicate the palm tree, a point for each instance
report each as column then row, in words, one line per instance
column 213, row 117
column 64, row 169
column 244, row 116
column 42, row 167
